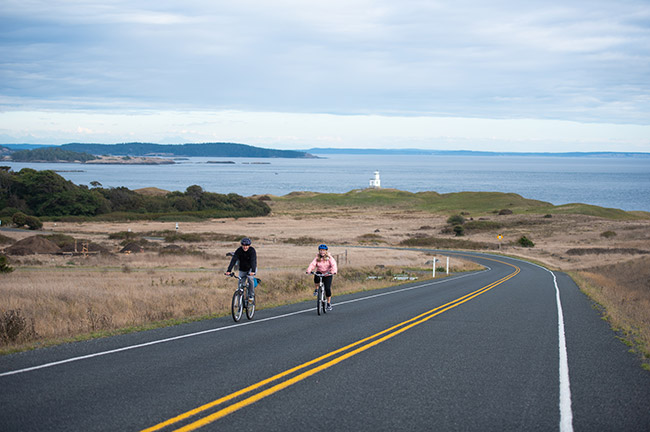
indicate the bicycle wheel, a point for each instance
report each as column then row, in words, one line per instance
column 319, row 296
column 323, row 302
column 250, row 309
column 237, row 305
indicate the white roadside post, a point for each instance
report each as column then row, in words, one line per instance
column 434, row 267
column 447, row 266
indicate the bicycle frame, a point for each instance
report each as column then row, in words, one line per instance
column 321, row 301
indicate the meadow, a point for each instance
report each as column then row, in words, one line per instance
column 179, row 275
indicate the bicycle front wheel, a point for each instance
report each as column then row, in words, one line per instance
column 319, row 298
column 237, row 305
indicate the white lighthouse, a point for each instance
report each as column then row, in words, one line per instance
column 375, row 182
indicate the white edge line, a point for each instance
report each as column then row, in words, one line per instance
column 566, row 414
column 159, row 341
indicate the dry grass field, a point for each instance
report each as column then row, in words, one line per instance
column 76, row 296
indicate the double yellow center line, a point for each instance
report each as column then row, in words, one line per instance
column 313, row 366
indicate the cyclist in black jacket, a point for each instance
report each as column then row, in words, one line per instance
column 247, row 258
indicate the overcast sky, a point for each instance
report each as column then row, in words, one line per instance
column 465, row 74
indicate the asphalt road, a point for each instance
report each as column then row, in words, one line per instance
column 484, row 351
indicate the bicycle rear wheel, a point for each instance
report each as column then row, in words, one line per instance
column 237, row 305
column 323, row 302
column 250, row 309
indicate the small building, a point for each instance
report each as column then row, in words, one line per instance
column 375, row 182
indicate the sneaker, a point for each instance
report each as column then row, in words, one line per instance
column 251, row 300
column 329, row 307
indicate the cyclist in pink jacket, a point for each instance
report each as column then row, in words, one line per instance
column 324, row 263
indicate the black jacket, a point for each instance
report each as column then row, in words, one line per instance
column 247, row 260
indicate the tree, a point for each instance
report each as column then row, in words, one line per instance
column 456, row 220
column 20, row 219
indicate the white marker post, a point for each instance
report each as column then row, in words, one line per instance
column 447, row 266
column 434, row 267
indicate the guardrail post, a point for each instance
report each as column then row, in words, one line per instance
column 434, row 267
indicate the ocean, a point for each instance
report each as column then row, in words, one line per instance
column 615, row 182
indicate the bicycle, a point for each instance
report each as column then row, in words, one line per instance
column 321, row 301
column 240, row 300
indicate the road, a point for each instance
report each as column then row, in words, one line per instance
column 514, row 347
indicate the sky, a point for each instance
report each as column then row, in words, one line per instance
column 547, row 76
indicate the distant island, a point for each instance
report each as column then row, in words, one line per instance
column 391, row 152
column 59, row 155
column 136, row 149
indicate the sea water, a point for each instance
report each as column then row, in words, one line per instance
column 616, row 182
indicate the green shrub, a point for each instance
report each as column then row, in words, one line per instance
column 456, row 220
column 13, row 325
column 525, row 242
column 4, row 265
column 34, row 223
column 608, row 234
column 459, row 230
column 19, row 219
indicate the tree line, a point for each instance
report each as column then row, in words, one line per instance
column 45, row 194
column 51, row 154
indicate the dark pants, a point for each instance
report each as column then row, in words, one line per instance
column 251, row 282
column 327, row 281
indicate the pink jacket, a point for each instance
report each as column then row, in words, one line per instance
column 324, row 266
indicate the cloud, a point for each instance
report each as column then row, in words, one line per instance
column 584, row 61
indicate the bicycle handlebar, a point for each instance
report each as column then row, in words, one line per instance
column 321, row 274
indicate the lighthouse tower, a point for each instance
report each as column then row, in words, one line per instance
column 375, row 182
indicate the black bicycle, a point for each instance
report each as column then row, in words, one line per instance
column 240, row 300
column 321, row 301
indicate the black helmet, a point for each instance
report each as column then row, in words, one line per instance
column 323, row 246
column 245, row 241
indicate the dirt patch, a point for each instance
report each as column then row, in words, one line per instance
column 32, row 246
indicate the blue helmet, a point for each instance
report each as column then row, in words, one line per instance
column 323, row 246
column 245, row 241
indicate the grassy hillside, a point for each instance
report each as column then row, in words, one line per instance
column 474, row 203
